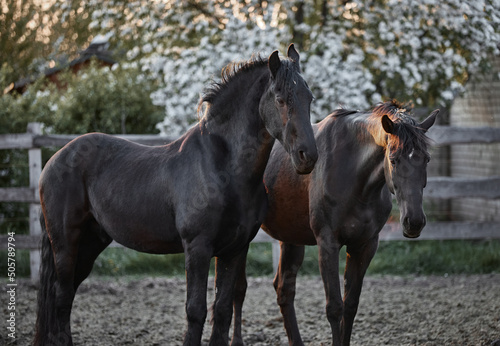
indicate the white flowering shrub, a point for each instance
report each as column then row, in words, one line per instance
column 354, row 54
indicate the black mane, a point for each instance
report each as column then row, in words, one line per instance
column 228, row 74
column 342, row 112
column 216, row 94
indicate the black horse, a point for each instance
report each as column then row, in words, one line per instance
column 345, row 201
column 202, row 194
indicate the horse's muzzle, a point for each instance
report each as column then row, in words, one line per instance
column 304, row 160
column 412, row 227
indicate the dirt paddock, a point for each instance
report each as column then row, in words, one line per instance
column 455, row 310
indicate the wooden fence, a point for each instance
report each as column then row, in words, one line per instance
column 437, row 187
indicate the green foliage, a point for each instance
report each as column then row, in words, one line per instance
column 22, row 263
column 118, row 262
column 392, row 258
column 36, row 33
column 97, row 99
column 437, row 257
column 18, row 44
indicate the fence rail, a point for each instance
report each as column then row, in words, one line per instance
column 437, row 187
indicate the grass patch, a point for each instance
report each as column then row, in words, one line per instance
column 392, row 258
column 437, row 257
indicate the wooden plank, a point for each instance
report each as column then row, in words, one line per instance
column 451, row 187
column 441, row 135
column 49, row 141
column 263, row 237
column 445, row 231
column 391, row 231
column 16, row 141
column 35, row 170
column 18, row 194
column 22, row 242
column 446, row 135
column 62, row 140
column 33, row 242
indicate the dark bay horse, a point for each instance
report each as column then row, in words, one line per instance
column 346, row 200
column 202, row 194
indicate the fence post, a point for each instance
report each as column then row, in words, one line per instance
column 276, row 255
column 35, row 169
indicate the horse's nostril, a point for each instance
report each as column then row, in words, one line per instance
column 406, row 221
column 302, row 155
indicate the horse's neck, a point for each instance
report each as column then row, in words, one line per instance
column 241, row 126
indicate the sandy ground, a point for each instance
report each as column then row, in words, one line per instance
column 455, row 310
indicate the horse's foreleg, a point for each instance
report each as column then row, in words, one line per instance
column 328, row 253
column 198, row 255
column 291, row 257
column 240, row 289
column 357, row 262
column 226, row 273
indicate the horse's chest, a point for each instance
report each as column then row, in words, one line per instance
column 356, row 230
column 239, row 226
column 364, row 222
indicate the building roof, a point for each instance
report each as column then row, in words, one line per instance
column 98, row 48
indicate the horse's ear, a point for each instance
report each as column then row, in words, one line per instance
column 293, row 54
column 387, row 124
column 274, row 63
column 429, row 121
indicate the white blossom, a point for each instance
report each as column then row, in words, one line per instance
column 368, row 54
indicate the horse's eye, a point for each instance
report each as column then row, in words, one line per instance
column 280, row 101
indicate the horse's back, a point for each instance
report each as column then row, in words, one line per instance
column 120, row 185
column 146, row 198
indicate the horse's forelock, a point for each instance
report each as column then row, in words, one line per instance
column 286, row 77
column 407, row 136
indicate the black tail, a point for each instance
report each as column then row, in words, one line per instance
column 46, row 313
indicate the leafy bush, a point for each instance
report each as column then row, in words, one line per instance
column 98, row 99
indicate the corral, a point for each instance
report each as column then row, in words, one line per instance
column 430, row 310
column 438, row 188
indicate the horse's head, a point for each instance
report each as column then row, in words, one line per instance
column 285, row 109
column 406, row 168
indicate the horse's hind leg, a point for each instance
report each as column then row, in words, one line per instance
column 66, row 261
column 57, row 288
column 55, row 294
column 291, row 258
column 357, row 262
column 93, row 241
